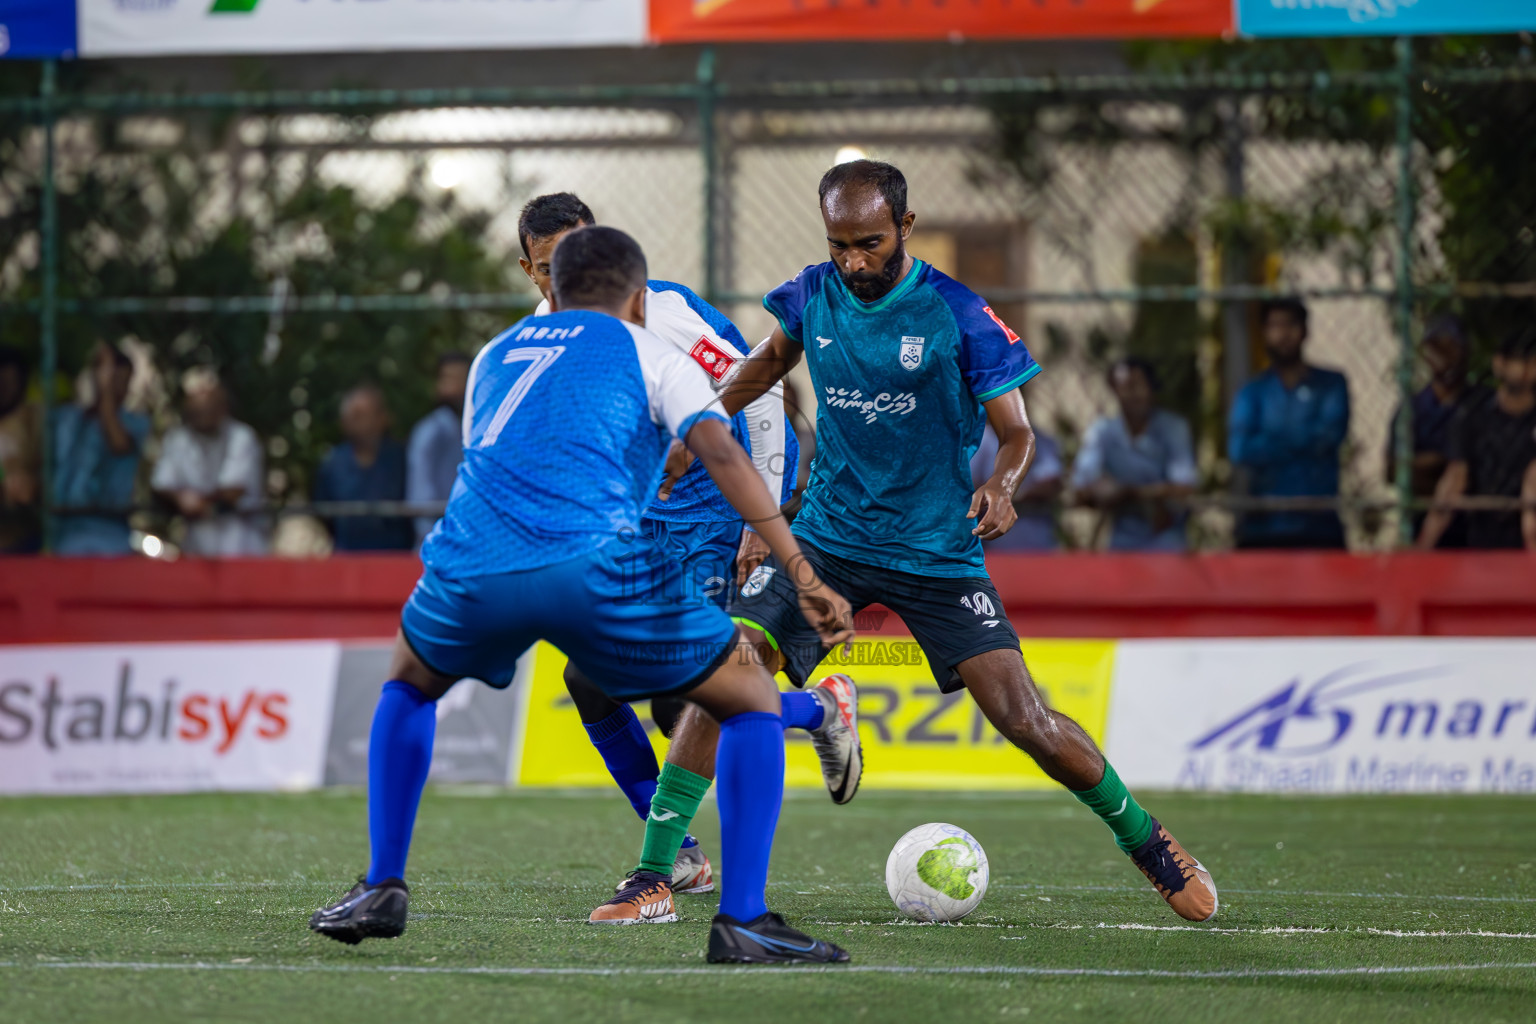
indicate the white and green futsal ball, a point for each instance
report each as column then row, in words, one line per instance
column 936, row 872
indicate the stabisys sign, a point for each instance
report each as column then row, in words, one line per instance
column 1327, row 716
column 100, row 718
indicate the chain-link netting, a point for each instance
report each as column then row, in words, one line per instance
column 298, row 246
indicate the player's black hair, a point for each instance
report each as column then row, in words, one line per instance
column 449, row 358
column 1520, row 344
column 544, row 216
column 596, row 267
column 1294, row 308
column 1141, row 366
column 882, row 177
column 12, row 356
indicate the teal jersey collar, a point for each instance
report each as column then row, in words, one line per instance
column 890, row 298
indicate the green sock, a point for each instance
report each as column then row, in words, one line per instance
column 678, row 793
column 1115, row 806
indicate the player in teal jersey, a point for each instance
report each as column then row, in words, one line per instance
column 908, row 366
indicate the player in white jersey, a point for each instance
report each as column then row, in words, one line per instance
column 540, row 541
column 698, row 528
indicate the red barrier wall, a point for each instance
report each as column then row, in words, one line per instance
column 1279, row 594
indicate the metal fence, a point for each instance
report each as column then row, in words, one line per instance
column 297, row 242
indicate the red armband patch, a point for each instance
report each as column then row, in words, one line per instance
column 715, row 360
column 998, row 320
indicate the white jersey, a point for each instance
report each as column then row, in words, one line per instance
column 679, row 317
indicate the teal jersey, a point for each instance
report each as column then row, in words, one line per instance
column 900, row 383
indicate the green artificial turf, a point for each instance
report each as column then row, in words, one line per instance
column 194, row 908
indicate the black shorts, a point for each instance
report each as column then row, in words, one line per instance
column 951, row 619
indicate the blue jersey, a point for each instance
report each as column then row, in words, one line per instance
column 567, row 419
column 900, row 383
column 675, row 314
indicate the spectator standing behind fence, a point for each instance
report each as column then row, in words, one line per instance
column 436, row 447
column 1448, row 353
column 368, row 466
column 95, row 459
column 1492, row 453
column 20, row 456
column 1131, row 465
column 1035, row 499
column 210, row 471
column 1284, row 436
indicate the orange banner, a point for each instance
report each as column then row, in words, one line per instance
column 704, row 21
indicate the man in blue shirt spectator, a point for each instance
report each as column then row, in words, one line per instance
column 1131, row 465
column 1448, row 353
column 436, row 447
column 369, row 466
column 96, row 454
column 1284, row 436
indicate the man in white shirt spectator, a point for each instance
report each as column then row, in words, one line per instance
column 211, row 471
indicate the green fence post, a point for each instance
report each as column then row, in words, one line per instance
column 706, row 81
column 1403, row 438
column 48, row 325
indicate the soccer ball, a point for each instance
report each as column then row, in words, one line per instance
column 936, row 872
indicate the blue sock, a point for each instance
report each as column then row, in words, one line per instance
column 627, row 752
column 802, row 710
column 399, row 756
column 749, row 787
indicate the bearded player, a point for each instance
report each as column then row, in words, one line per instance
column 909, row 365
column 699, row 530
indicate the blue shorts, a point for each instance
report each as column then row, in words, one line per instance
column 706, row 551
column 620, row 613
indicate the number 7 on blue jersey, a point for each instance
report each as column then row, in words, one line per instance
column 538, row 360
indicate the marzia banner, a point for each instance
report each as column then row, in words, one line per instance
column 1327, row 716
column 119, row 28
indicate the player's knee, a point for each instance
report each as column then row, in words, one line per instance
column 1033, row 730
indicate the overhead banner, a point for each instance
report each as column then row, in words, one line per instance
column 125, row 28
column 914, row 736
column 145, row 718
column 712, row 21
column 34, row 29
column 1326, row 716
column 1382, row 17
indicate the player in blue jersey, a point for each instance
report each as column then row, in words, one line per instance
column 909, row 365
column 698, row 528
column 566, row 423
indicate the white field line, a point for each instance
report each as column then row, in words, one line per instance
column 1135, row 927
column 996, row 969
column 436, row 887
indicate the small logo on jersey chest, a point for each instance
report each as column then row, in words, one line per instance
column 823, row 341
column 911, row 353
column 715, row 360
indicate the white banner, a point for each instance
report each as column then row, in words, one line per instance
column 124, row 28
column 103, row 718
column 1326, row 716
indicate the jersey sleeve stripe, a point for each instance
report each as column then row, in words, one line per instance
column 1023, row 378
column 782, row 325
column 704, row 414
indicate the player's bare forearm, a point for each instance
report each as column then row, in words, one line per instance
column 767, row 365
column 732, row 471
column 728, row 466
column 1452, row 486
column 992, row 504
